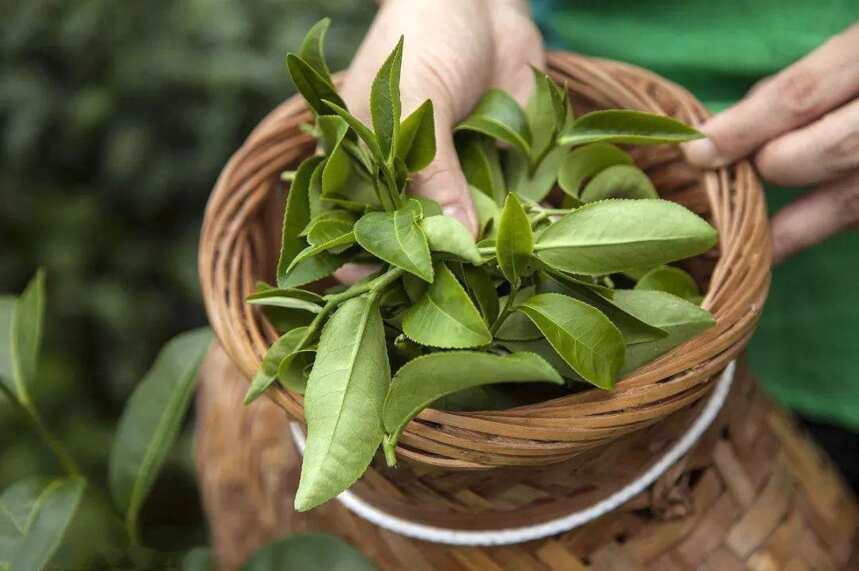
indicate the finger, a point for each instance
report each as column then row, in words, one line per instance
column 444, row 182
column 811, row 219
column 518, row 46
column 351, row 273
column 825, row 150
column 819, row 82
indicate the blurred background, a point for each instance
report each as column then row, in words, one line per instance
column 115, row 119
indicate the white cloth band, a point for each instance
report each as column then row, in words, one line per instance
column 552, row 527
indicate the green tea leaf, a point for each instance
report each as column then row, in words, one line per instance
column 344, row 178
column 426, row 379
column 332, row 129
column 7, row 313
column 308, row 552
column 343, row 402
column 619, row 181
column 385, row 101
column 328, row 226
column 545, row 350
column 537, row 185
column 615, row 235
column 396, row 238
column 284, row 318
column 582, row 335
column 487, row 213
column 278, row 351
column 416, row 142
column 476, row 398
column 445, row 316
column 295, row 217
column 34, row 516
column 364, row 132
column 414, row 287
column 584, row 162
column 481, row 165
column 681, row 319
column 517, row 327
column 313, row 87
column 151, row 421
column 429, row 206
column 294, row 370
column 497, row 115
column 479, row 285
column 515, row 241
column 633, row 329
column 290, row 298
column 312, row 49
column 671, row 280
column 448, row 235
column 313, row 267
column 319, row 253
column 21, row 323
column 542, row 114
column 626, row 126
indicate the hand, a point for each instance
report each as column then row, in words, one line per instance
column 454, row 51
column 803, row 127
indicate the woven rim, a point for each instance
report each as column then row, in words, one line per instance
column 239, row 245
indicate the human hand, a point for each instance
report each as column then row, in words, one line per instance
column 454, row 51
column 802, row 125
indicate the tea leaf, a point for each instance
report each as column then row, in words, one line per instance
column 619, row 181
column 448, row 235
column 312, row 48
column 295, row 217
column 22, row 320
column 318, row 252
column 332, row 129
column 515, row 241
column 481, row 164
column 626, row 126
column 385, row 101
column 497, row 115
column 681, row 319
column 633, row 329
column 671, row 280
column 396, row 238
column 479, row 285
column 313, row 87
column 545, row 350
column 289, row 298
column 476, row 398
column 343, row 177
column 445, row 316
column 487, row 212
column 343, row 402
column 416, row 142
column 429, row 206
column 267, row 372
column 308, row 552
column 34, row 516
column 7, row 313
column 329, row 226
column 311, row 268
column 542, row 114
column 360, row 128
column 426, row 379
column 615, row 235
column 537, row 185
column 582, row 335
column 414, row 287
column 151, row 421
column 517, row 327
column 585, row 162
column 294, row 370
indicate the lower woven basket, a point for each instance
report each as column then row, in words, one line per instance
column 750, row 489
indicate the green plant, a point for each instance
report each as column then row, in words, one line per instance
column 37, row 512
column 532, row 300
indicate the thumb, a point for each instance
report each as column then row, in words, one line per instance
column 443, row 181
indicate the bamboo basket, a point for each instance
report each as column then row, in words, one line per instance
column 518, row 467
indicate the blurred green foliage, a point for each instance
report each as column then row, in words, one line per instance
column 115, row 119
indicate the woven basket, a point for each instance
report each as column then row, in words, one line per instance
column 459, row 468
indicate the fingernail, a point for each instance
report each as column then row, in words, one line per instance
column 704, row 153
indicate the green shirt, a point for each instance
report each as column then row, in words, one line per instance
column 806, row 350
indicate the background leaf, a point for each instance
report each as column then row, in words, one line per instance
column 343, row 402
column 396, row 238
column 581, row 334
column 385, row 101
column 497, row 115
column 481, row 164
column 22, row 320
column 308, row 552
column 615, row 235
column 151, row 420
column 479, row 285
column 537, row 185
column 312, row 48
column 34, row 516
column 619, row 181
column 426, row 379
column 586, row 161
column 445, row 316
column 416, row 141
column 448, row 235
column 626, row 126
column 514, row 242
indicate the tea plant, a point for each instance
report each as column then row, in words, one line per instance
column 531, row 300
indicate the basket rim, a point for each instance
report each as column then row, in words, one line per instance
column 231, row 253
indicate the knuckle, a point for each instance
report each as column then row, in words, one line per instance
column 847, row 203
column 843, row 153
column 800, row 95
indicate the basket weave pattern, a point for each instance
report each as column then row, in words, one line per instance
column 241, row 236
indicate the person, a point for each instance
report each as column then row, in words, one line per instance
column 798, row 123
